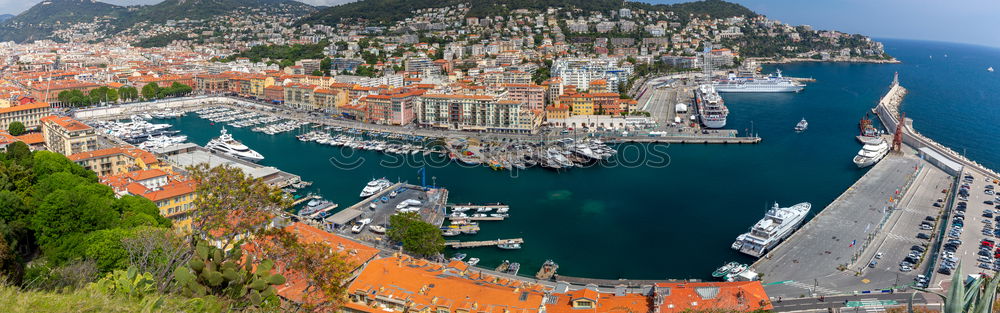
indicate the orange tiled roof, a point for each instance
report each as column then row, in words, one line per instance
column 29, row 106
column 429, row 285
column 31, row 138
column 66, row 122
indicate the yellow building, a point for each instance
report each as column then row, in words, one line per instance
column 67, row 136
column 258, row 83
column 173, row 196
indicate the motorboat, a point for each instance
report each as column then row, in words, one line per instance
column 509, row 246
column 226, row 144
column 802, row 125
column 375, row 186
column 473, row 261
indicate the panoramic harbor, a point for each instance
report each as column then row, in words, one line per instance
column 497, row 156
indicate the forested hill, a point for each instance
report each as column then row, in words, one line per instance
column 388, row 11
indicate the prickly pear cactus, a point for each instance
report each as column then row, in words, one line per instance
column 215, row 272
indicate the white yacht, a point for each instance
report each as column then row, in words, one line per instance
column 226, row 144
column 871, row 153
column 777, row 224
column 757, row 83
column 802, row 125
column 711, row 108
column 375, row 186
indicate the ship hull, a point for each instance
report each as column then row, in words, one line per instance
column 714, row 123
column 749, row 89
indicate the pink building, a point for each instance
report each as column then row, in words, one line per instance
column 531, row 96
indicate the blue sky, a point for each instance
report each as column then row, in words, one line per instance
column 966, row 21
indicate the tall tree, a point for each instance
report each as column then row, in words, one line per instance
column 230, row 205
column 150, row 91
column 16, row 128
column 418, row 237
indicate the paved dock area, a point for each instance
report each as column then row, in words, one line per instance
column 816, row 258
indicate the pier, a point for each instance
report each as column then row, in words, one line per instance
column 474, row 244
column 304, row 199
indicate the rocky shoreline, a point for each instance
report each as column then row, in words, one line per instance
column 834, row 60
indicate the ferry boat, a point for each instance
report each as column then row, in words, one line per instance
column 802, row 125
column 757, row 83
column 712, row 109
column 375, row 186
column 778, row 223
column 871, row 153
column 226, row 144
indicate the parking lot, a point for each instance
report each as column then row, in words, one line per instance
column 903, row 247
column 378, row 209
column 971, row 236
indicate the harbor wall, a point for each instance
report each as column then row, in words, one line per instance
column 126, row 110
column 888, row 112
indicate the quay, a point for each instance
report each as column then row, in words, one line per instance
column 485, row 243
column 688, row 140
column 835, row 252
column 481, row 206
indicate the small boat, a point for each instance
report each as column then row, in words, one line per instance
column 739, row 242
column 802, row 125
column 514, row 268
column 722, row 271
column 459, row 256
column 989, row 69
column 378, row 229
column 547, row 271
column 503, row 266
column 473, row 261
column 509, row 246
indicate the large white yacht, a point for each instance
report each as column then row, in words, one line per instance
column 711, row 108
column 375, row 186
column 871, row 153
column 776, row 225
column 226, row 144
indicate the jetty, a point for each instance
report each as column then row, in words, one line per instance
column 476, row 219
column 485, row 243
column 304, row 199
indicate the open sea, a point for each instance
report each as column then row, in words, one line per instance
column 678, row 220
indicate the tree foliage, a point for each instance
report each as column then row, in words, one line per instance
column 418, row 237
column 16, row 128
column 230, row 204
column 282, row 54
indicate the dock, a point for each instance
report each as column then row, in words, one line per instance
column 474, row 244
column 481, row 206
column 304, row 199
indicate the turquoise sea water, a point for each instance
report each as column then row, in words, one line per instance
column 678, row 220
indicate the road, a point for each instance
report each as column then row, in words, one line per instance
column 855, row 303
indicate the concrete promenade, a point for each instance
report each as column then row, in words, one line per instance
column 816, row 258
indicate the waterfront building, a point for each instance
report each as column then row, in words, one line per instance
column 66, row 136
column 477, row 112
column 299, row 95
column 275, row 93
column 666, row 298
column 258, row 84
column 392, row 109
column 326, row 98
column 404, row 284
column 531, row 96
column 116, row 160
column 29, row 114
column 211, row 83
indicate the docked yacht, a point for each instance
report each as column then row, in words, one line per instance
column 778, row 223
column 375, row 186
column 871, row 153
column 226, row 144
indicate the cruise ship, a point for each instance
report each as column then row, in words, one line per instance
column 871, row 153
column 711, row 109
column 777, row 224
column 756, row 83
column 226, row 144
